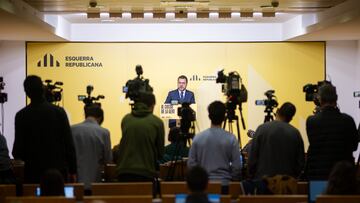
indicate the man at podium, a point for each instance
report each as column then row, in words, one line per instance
column 179, row 96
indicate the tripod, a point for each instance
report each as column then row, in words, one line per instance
column 230, row 117
column 269, row 114
column 184, row 137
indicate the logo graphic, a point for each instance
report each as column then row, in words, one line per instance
column 48, row 61
column 195, row 78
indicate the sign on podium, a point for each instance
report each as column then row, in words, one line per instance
column 170, row 111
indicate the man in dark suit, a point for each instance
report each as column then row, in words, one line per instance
column 43, row 138
column 181, row 94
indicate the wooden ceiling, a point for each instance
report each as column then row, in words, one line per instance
column 287, row 6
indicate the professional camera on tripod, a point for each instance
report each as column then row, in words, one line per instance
column 3, row 95
column 53, row 91
column 236, row 95
column 270, row 103
column 133, row 88
column 311, row 93
column 89, row 100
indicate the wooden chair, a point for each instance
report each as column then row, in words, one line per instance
column 116, row 189
column 119, row 199
column 170, row 188
column 303, row 188
column 40, row 200
column 235, row 190
column 30, row 190
column 273, row 199
column 338, row 199
column 6, row 191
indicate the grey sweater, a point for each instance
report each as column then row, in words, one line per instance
column 218, row 152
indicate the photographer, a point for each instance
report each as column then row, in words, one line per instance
column 277, row 147
column 142, row 142
column 177, row 146
column 332, row 136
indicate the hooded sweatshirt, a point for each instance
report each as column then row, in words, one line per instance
column 142, row 142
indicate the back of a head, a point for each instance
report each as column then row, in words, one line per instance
column 217, row 111
column 93, row 110
column 52, row 183
column 287, row 111
column 34, row 87
column 327, row 94
column 342, row 179
column 197, row 179
column 147, row 98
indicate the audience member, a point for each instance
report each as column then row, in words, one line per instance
column 343, row 180
column 277, row 147
column 142, row 142
column 332, row 136
column 197, row 181
column 177, row 148
column 43, row 137
column 6, row 173
column 52, row 183
column 92, row 145
column 216, row 150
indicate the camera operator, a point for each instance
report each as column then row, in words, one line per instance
column 217, row 150
column 180, row 95
column 332, row 136
column 177, row 146
column 142, row 142
column 43, row 138
column 92, row 145
column 277, row 147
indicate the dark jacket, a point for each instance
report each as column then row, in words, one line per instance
column 43, row 140
column 174, row 95
column 142, row 142
column 332, row 137
column 276, row 149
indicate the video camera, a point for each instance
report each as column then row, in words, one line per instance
column 188, row 116
column 3, row 95
column 134, row 87
column 89, row 100
column 311, row 91
column 53, row 91
column 270, row 102
column 232, row 87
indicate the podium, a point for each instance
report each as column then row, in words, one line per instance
column 170, row 111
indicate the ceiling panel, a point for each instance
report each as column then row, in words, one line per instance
column 212, row 5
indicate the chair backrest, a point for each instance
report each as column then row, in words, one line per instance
column 302, row 188
column 171, row 199
column 6, row 191
column 338, row 199
column 235, row 190
column 30, row 190
column 116, row 189
column 171, row 188
column 117, row 199
column 40, row 200
column 273, row 199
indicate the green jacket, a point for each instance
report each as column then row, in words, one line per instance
column 142, row 142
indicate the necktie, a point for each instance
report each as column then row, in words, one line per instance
column 182, row 95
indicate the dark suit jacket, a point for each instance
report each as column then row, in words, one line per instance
column 43, row 140
column 174, row 95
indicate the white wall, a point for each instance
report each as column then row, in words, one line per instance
column 12, row 69
column 343, row 67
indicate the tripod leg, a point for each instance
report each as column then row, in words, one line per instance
column 238, row 132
